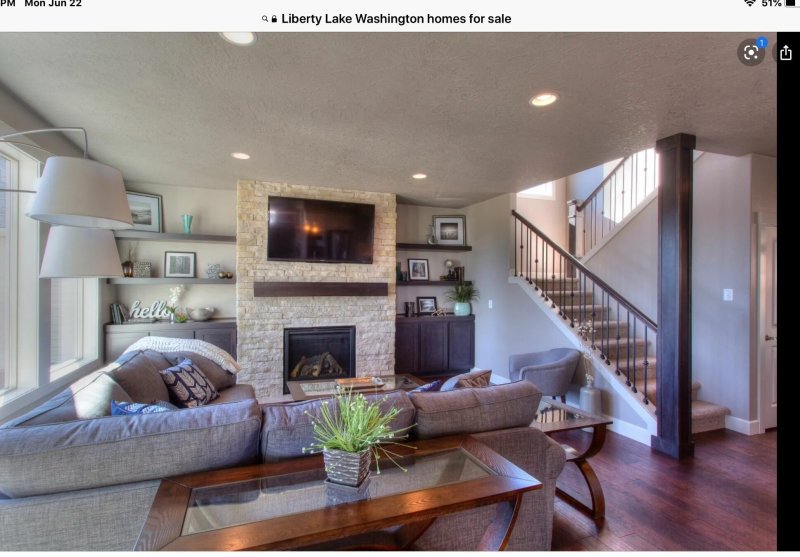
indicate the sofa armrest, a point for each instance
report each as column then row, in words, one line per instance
column 528, row 448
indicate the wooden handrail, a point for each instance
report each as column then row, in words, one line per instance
column 585, row 202
column 597, row 280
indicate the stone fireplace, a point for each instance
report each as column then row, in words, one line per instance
column 314, row 353
column 330, row 294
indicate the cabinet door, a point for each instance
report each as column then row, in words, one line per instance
column 406, row 347
column 224, row 338
column 173, row 334
column 116, row 343
column 432, row 346
column 461, row 345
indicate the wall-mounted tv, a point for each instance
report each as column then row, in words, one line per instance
column 320, row 231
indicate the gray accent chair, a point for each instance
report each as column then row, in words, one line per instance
column 551, row 371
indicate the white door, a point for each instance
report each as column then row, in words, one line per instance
column 768, row 329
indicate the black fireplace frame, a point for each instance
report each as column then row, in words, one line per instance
column 289, row 331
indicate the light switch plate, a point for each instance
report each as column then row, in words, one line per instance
column 727, row 294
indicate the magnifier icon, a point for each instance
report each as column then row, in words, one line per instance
column 265, row 18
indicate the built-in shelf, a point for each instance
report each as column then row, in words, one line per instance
column 432, row 247
column 172, row 237
column 126, row 280
column 293, row 289
column 426, row 283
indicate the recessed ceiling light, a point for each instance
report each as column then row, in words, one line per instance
column 419, row 176
column 240, row 156
column 241, row 39
column 544, row 99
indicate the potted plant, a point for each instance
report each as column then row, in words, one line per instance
column 462, row 294
column 349, row 430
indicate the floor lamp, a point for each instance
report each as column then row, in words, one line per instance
column 84, row 200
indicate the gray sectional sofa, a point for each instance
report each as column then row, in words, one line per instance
column 72, row 477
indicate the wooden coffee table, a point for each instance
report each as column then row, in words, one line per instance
column 307, row 390
column 287, row 505
column 553, row 417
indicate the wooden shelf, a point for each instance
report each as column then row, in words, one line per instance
column 171, row 237
column 432, row 247
column 126, row 280
column 426, row 283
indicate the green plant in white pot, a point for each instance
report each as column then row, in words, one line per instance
column 349, row 430
column 462, row 294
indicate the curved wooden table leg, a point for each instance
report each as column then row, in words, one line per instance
column 499, row 531
column 598, row 508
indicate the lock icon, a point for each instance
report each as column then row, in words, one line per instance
column 274, row 19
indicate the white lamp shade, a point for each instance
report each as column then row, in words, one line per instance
column 81, row 192
column 80, row 253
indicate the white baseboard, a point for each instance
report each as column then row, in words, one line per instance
column 627, row 429
column 748, row 427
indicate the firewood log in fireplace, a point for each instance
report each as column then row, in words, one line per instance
column 320, row 365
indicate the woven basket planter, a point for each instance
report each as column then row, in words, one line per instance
column 350, row 469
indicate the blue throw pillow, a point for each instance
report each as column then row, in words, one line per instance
column 131, row 408
column 428, row 387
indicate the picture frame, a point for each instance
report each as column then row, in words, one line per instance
column 426, row 305
column 179, row 264
column 145, row 211
column 450, row 230
column 418, row 269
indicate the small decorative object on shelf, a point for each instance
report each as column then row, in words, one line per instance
column 213, row 270
column 399, row 275
column 177, row 315
column 157, row 310
column 432, row 236
column 462, row 294
column 439, row 313
column 187, row 223
column 450, row 230
column 448, row 265
column 418, row 269
column 200, row 314
column 142, row 269
column 410, row 308
column 127, row 266
column 459, row 274
column 179, row 264
column 145, row 211
column 225, row 275
column 426, row 304
column 350, row 435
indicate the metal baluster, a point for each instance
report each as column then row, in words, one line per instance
column 536, row 260
column 553, row 283
column 516, row 222
column 646, row 364
column 628, row 382
column 627, row 343
column 594, row 332
column 617, row 326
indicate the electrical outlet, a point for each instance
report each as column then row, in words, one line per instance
column 727, row 294
column 490, row 304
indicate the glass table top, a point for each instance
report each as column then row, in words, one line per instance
column 221, row 506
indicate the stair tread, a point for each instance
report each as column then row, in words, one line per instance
column 705, row 409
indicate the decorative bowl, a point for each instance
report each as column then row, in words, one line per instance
column 200, row 314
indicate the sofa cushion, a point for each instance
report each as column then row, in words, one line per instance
column 136, row 408
column 428, row 387
column 472, row 410
column 89, row 397
column 287, row 429
column 138, row 373
column 477, row 378
column 220, row 378
column 237, row 393
column 89, row 453
column 188, row 386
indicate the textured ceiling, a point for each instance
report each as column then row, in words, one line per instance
column 366, row 111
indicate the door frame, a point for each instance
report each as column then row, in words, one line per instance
column 763, row 220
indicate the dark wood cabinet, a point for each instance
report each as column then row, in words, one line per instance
column 434, row 344
column 219, row 332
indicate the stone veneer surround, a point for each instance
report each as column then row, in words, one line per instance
column 261, row 320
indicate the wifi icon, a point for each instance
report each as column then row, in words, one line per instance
column 749, row 2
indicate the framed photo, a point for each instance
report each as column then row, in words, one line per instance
column 450, row 230
column 418, row 269
column 145, row 211
column 179, row 264
column 426, row 305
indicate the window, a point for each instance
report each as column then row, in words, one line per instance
column 542, row 191
column 49, row 328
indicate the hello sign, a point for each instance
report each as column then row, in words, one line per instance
column 157, row 310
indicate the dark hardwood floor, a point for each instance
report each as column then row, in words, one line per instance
column 724, row 499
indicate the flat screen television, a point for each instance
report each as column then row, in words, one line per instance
column 320, row 231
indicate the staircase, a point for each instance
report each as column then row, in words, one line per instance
column 621, row 339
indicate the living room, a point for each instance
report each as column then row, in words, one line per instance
column 346, row 119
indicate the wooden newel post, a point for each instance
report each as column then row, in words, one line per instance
column 674, row 351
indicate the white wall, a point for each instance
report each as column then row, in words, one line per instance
column 548, row 215
column 214, row 212
column 629, row 261
column 721, row 258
